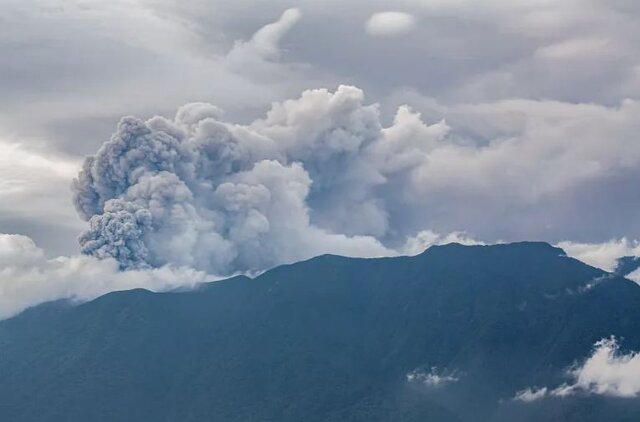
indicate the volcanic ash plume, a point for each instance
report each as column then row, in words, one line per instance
column 312, row 177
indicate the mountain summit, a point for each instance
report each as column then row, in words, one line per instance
column 452, row 334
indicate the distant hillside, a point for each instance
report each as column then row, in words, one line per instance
column 449, row 335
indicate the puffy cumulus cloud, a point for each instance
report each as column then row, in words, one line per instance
column 606, row 372
column 390, row 23
column 559, row 145
column 525, row 169
column 602, row 255
column 28, row 277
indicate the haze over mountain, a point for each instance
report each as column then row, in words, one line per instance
column 458, row 333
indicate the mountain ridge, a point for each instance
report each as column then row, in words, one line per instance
column 328, row 339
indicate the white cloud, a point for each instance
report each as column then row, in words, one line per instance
column 606, row 372
column 528, row 167
column 390, row 23
column 432, row 377
column 28, row 277
column 266, row 41
column 259, row 57
column 601, row 255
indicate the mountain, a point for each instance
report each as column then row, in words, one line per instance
column 626, row 265
column 448, row 335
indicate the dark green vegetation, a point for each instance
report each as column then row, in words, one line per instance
column 329, row 339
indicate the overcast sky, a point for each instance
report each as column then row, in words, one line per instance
column 492, row 121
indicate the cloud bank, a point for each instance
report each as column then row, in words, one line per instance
column 28, row 277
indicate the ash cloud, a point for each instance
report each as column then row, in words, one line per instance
column 311, row 177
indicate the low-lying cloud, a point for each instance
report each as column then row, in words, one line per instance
column 432, row 377
column 28, row 277
column 606, row 372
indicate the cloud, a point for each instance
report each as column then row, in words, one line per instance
column 28, row 277
column 265, row 42
column 390, row 23
column 34, row 190
column 259, row 57
column 432, row 377
column 602, row 255
column 606, row 372
column 530, row 168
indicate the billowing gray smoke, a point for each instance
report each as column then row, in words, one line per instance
column 316, row 175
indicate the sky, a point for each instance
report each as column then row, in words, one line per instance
column 228, row 137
